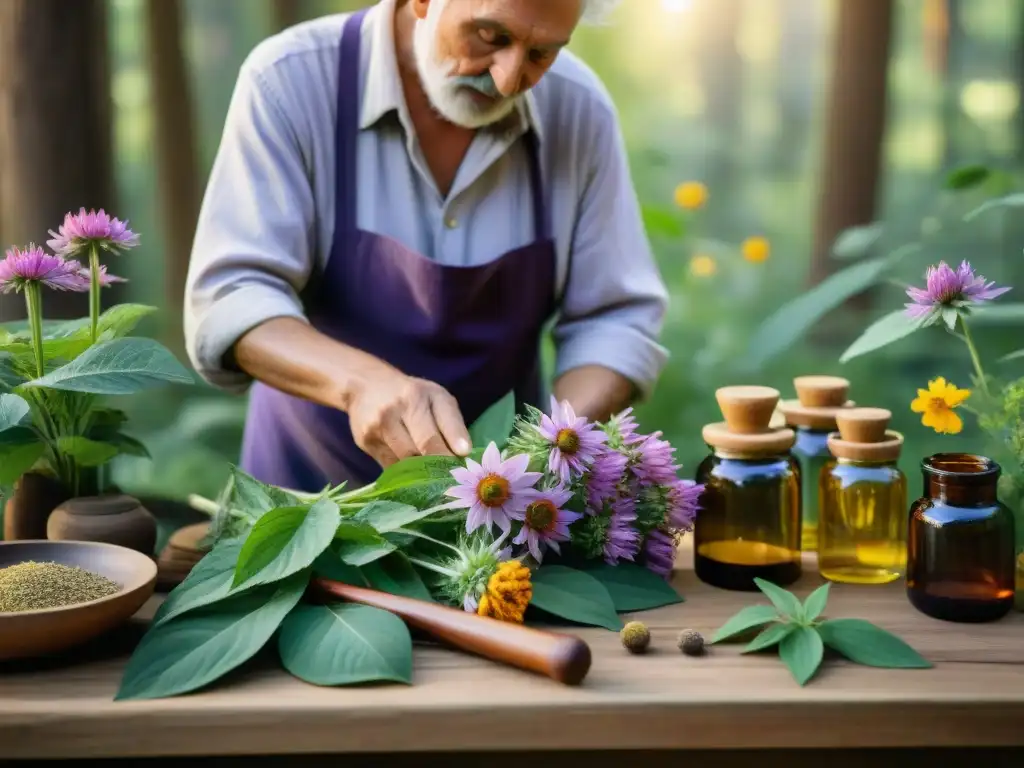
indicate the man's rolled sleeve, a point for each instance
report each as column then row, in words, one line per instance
column 253, row 250
column 615, row 300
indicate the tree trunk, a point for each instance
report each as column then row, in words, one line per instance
column 177, row 155
column 855, row 125
column 55, row 132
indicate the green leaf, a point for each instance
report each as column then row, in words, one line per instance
column 121, row 320
column 414, row 470
column 285, row 541
column 815, row 603
column 857, row 242
column 802, row 651
column 496, row 423
column 387, row 516
column 13, row 410
column 118, row 367
column 574, row 595
column 86, row 452
column 356, row 530
column 343, row 644
column 633, row 588
column 793, row 320
column 104, row 422
column 998, row 313
column 1012, row 356
column 397, row 576
column 786, row 602
column 1015, row 200
column 863, row 643
column 745, row 620
column 209, row 581
column 330, row 566
column 20, row 449
column 9, row 376
column 194, row 650
column 256, row 498
column 362, row 553
column 771, row 636
column 128, row 445
column 884, row 331
column 967, row 177
column 662, row 222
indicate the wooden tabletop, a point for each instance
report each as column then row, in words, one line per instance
column 973, row 697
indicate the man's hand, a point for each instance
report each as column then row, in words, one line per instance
column 396, row 416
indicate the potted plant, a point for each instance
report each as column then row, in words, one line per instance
column 56, row 433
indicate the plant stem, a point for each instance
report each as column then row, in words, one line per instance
column 433, row 567
column 33, row 305
column 94, row 291
column 418, row 535
column 975, row 358
column 201, row 504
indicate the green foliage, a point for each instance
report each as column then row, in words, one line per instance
column 341, row 644
column 800, row 635
column 575, row 596
column 495, row 424
column 886, row 330
column 634, row 588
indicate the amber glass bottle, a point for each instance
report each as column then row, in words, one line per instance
column 960, row 545
column 862, row 531
column 749, row 523
column 813, row 416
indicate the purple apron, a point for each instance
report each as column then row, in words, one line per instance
column 474, row 330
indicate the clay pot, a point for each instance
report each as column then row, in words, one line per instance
column 112, row 519
column 27, row 510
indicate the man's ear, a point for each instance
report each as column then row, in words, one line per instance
column 420, row 7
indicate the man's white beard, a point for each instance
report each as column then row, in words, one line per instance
column 452, row 99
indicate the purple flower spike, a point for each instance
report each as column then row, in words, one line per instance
column 660, row 553
column 683, row 502
column 622, row 541
column 948, row 288
column 84, row 229
column 655, row 464
column 34, row 265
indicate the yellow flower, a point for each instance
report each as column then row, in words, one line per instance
column 756, row 249
column 691, row 195
column 508, row 593
column 937, row 404
column 702, row 265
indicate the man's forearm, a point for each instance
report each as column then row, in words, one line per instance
column 293, row 357
column 595, row 392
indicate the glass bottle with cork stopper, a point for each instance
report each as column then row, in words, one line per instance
column 749, row 523
column 813, row 416
column 862, row 524
column 960, row 547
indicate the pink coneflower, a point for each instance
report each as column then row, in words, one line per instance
column 948, row 288
column 87, row 229
column 683, row 502
column 575, row 442
column 544, row 521
column 34, row 265
column 654, row 462
column 604, row 478
column 660, row 552
column 492, row 490
column 622, row 540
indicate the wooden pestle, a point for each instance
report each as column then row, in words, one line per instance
column 563, row 658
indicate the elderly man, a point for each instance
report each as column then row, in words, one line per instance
column 402, row 199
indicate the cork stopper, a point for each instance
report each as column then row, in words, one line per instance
column 819, row 398
column 864, row 435
column 749, row 427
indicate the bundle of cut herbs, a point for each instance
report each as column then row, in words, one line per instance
column 554, row 516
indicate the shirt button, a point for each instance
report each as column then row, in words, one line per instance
column 451, row 222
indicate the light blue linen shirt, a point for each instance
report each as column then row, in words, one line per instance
column 268, row 214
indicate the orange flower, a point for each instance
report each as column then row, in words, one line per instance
column 756, row 249
column 508, row 593
column 691, row 195
column 936, row 405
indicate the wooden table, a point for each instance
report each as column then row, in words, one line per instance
column 974, row 697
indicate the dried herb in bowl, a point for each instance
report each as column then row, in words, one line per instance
column 32, row 586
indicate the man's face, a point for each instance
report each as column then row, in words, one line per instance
column 477, row 57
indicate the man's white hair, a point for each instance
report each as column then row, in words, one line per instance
column 597, row 11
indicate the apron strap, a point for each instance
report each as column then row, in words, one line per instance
column 347, row 126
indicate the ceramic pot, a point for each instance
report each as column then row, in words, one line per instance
column 28, row 509
column 112, row 519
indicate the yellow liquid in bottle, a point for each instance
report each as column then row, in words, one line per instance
column 862, row 523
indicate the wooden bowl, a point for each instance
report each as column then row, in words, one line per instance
column 31, row 634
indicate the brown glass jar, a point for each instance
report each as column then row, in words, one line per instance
column 748, row 525
column 960, row 545
column 813, row 417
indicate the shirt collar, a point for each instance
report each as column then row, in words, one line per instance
column 382, row 92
